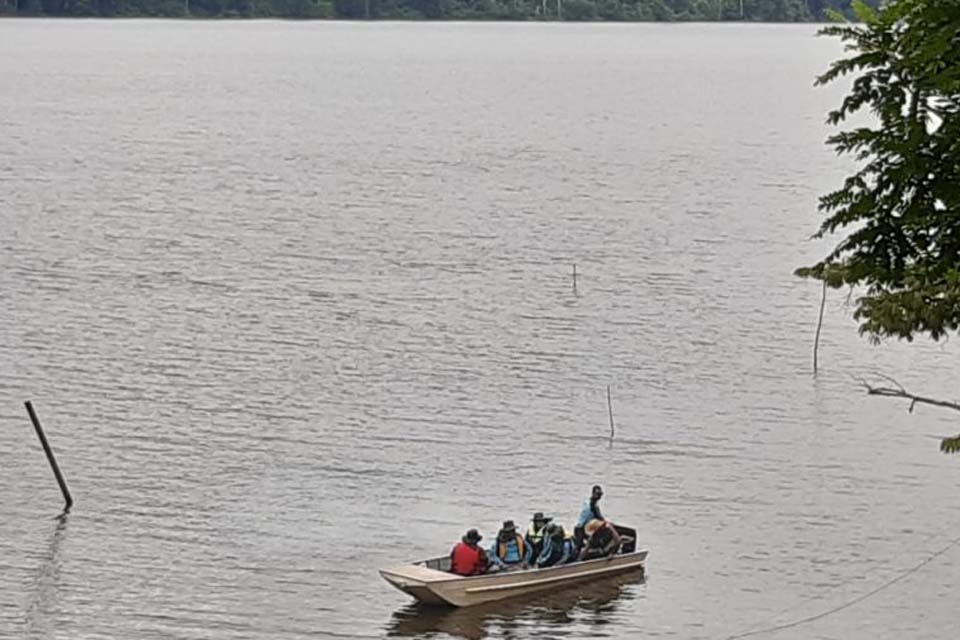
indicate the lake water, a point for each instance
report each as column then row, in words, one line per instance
column 294, row 301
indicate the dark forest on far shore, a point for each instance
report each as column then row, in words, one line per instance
column 548, row 10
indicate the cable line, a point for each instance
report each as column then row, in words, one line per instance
column 861, row 598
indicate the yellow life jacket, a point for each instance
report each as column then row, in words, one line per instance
column 536, row 535
column 502, row 547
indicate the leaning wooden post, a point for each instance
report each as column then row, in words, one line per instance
column 50, row 458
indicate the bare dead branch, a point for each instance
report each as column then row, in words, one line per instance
column 948, row 444
column 900, row 392
column 891, row 380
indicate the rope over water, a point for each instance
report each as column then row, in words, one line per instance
column 861, row 598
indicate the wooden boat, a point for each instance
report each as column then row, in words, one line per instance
column 431, row 582
column 599, row 600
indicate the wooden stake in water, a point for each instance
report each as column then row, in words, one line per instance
column 50, row 458
column 610, row 410
column 816, row 340
column 574, row 278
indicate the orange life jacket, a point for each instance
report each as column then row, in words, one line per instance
column 502, row 548
column 466, row 560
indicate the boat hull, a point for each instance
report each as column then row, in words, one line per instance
column 431, row 586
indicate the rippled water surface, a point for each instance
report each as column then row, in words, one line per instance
column 295, row 301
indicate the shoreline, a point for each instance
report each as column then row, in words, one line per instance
column 398, row 20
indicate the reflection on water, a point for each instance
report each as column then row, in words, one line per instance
column 595, row 603
column 44, row 592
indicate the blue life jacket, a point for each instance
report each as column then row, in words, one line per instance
column 589, row 511
column 509, row 552
column 557, row 552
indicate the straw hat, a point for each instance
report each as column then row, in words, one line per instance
column 592, row 526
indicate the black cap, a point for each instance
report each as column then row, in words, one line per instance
column 539, row 517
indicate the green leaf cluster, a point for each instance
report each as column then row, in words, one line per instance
column 901, row 210
column 950, row 445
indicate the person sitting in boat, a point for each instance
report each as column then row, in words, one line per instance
column 589, row 511
column 534, row 537
column 467, row 558
column 558, row 547
column 602, row 540
column 509, row 549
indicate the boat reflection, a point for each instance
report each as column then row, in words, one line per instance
column 597, row 602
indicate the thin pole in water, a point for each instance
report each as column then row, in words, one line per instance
column 816, row 340
column 50, row 458
column 610, row 410
column 574, row 278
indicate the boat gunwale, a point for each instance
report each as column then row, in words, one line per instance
column 639, row 555
column 622, row 566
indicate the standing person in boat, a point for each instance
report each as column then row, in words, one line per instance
column 602, row 540
column 509, row 549
column 558, row 548
column 534, row 538
column 467, row 558
column 589, row 511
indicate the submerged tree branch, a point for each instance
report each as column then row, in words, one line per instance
column 947, row 444
column 900, row 392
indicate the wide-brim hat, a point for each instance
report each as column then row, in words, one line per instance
column 508, row 525
column 592, row 526
column 473, row 536
column 539, row 517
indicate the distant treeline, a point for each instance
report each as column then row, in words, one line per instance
column 610, row 10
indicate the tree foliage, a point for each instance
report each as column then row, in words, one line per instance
column 901, row 210
column 632, row 10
